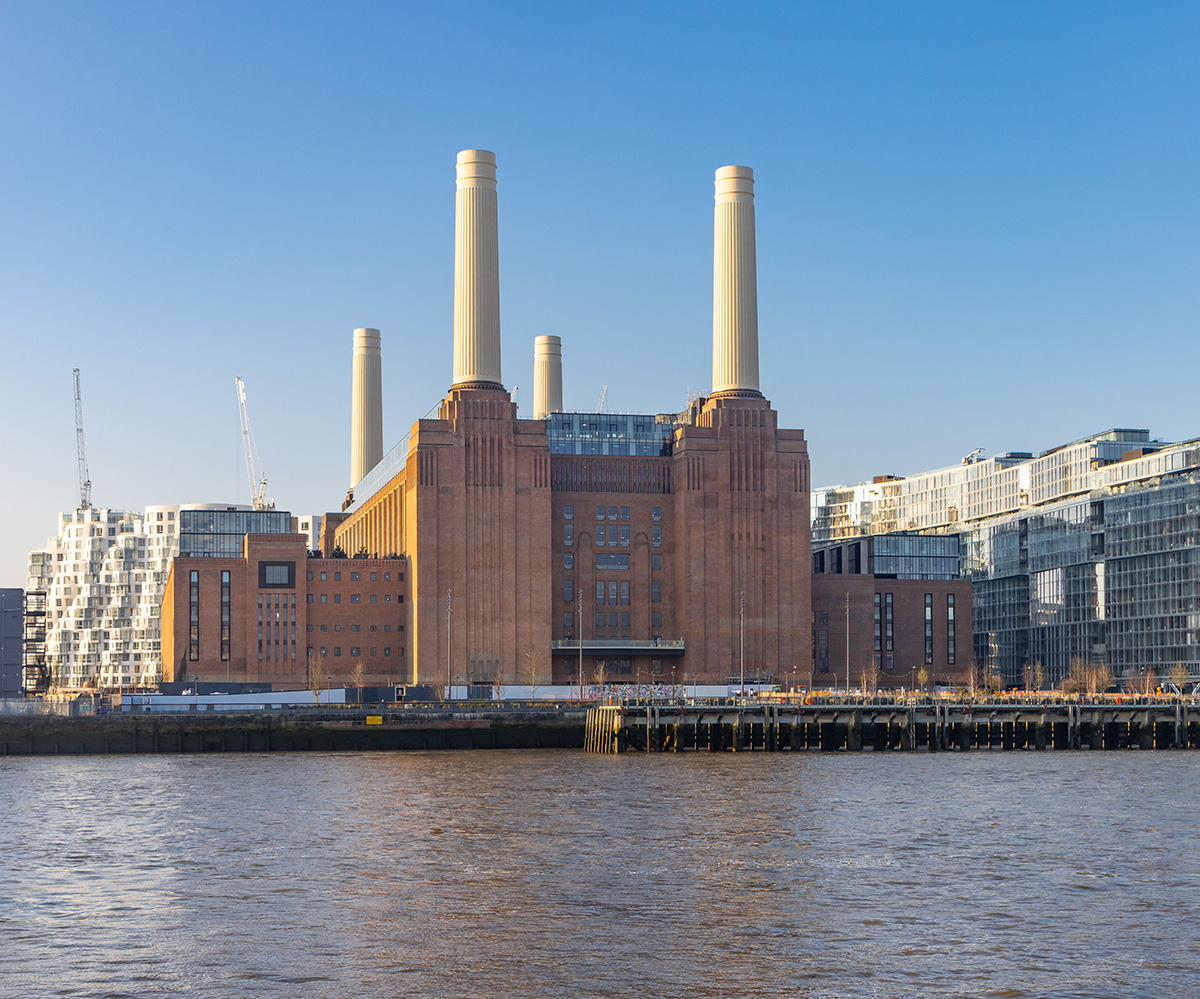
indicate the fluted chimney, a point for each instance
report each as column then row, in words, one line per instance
column 476, row 273
column 547, row 376
column 735, row 285
column 366, row 405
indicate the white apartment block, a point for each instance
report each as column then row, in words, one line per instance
column 103, row 576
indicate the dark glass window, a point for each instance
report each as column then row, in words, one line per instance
column 655, row 561
column 656, row 513
column 928, row 629
column 655, row 591
column 888, row 634
column 568, row 560
column 568, row 590
column 568, row 535
column 568, row 512
column 950, row 628
column 600, row 592
column 276, row 575
column 656, row 536
column 568, row 619
column 656, row 619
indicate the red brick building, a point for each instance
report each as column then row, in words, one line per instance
column 260, row 617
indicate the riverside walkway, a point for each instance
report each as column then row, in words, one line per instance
column 930, row 724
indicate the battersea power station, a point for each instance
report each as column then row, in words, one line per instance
column 486, row 549
column 674, row 547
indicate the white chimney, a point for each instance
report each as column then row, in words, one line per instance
column 735, row 285
column 547, row 376
column 366, row 405
column 476, row 273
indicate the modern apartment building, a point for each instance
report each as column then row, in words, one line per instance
column 1090, row 550
column 100, row 581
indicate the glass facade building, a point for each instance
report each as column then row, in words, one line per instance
column 218, row 533
column 611, row 433
column 1089, row 551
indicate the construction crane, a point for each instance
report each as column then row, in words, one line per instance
column 603, row 396
column 973, row 457
column 85, row 480
column 258, row 481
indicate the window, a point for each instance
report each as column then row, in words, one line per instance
column 337, row 575
column 276, row 574
column 655, row 561
column 324, row 598
column 568, row 590
column 656, row 619
column 600, row 537
column 600, row 592
column 878, row 626
column 656, row 536
column 656, row 513
column 624, row 535
column 928, row 629
column 624, row 619
column 355, row 650
column 568, row 512
column 599, row 619
column 374, row 598
column 612, row 592
column 387, row 650
column 310, row 628
column 612, row 513
column 568, row 560
column 950, row 628
column 823, row 651
column 605, row 561
column 387, row 577
column 355, row 627
column 193, row 615
column 888, row 636
column 225, row 625
column 655, row 591
column 355, row 577
column 568, row 534
column 337, row 650
column 310, row 577
column 624, row 592
column 324, row 651
column 599, row 513
column 624, row 513
column 356, row 598
column 569, row 619
column 612, row 619
column 310, row 598
column 387, row 598
column 374, row 652
column 324, row 576
column 337, row 598
column 373, row 577
column 324, row 627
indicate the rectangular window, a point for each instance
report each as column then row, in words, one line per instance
column 624, row 513
column 612, row 513
column 599, row 619
column 568, row 534
column 355, row 577
column 656, row 513
column 568, row 512
column 355, row 650
column 324, row 598
column 624, row 535
column 337, row 598
column 606, row 561
column 878, row 624
column 225, row 624
column 324, row 576
column 337, row 650
column 193, row 616
column 568, row 590
column 276, row 574
column 324, row 651
column 612, row 592
column 600, row 537
column 374, row 598
column 928, row 629
column 568, row 619
column 599, row 513
column 888, row 634
column 337, row 575
column 823, row 651
column 950, row 628
column 655, row 561
column 655, row 591
column 656, row 536
column 373, row 578
column 600, row 592
column 624, row 619
column 656, row 619
column 568, row 560
column 356, row 598
column 612, row 619
column 310, row 577
column 624, row 592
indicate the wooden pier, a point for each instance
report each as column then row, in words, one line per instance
column 934, row 726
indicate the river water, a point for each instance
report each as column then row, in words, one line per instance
column 530, row 873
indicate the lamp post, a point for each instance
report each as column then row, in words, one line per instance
column 579, row 625
column 449, row 641
column 742, row 626
column 847, row 645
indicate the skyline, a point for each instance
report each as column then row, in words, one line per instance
column 991, row 204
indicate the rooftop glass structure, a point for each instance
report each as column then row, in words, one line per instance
column 610, row 433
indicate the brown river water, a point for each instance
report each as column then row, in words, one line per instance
column 553, row 873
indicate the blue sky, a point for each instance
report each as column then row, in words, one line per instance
column 977, row 224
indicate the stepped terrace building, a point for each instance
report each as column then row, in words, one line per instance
column 1090, row 550
column 652, row 546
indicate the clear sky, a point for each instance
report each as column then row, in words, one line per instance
column 977, row 224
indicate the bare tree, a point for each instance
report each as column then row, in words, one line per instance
column 1039, row 675
column 1101, row 677
column 357, row 675
column 318, row 676
column 922, row 678
column 870, row 677
column 1077, row 679
column 1028, row 676
column 979, row 675
column 534, row 663
column 1145, row 682
column 600, row 677
column 1179, row 677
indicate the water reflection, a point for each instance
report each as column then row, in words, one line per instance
column 558, row 874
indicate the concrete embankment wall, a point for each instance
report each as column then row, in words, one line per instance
column 290, row 732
